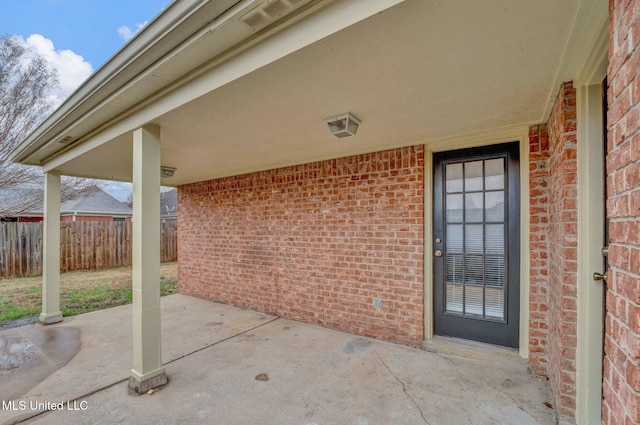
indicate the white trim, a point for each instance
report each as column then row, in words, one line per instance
column 525, row 231
column 428, row 243
column 589, row 352
column 491, row 136
column 590, row 163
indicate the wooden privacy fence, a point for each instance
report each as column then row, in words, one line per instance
column 20, row 249
column 84, row 245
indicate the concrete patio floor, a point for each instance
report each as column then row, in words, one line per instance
column 214, row 352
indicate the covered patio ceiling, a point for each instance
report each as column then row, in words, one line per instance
column 420, row 71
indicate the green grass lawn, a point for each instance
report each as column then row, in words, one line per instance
column 80, row 292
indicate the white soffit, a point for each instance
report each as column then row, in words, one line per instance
column 250, row 55
column 416, row 72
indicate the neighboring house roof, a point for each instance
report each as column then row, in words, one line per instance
column 92, row 201
column 169, row 204
column 95, row 201
column 20, row 199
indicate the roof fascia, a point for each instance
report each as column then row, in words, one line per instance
column 135, row 54
column 233, row 64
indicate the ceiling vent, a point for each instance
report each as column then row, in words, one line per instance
column 66, row 140
column 269, row 11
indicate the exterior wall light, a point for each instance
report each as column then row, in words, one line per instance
column 166, row 172
column 343, row 125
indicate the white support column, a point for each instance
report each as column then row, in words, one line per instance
column 51, row 257
column 147, row 369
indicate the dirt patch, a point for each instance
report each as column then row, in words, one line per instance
column 16, row 323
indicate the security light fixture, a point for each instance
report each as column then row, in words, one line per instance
column 343, row 125
column 166, row 172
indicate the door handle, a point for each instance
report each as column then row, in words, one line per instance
column 438, row 253
column 600, row 276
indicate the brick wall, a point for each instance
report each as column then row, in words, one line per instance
column 621, row 386
column 30, row 219
column 563, row 249
column 553, row 179
column 538, row 248
column 317, row 242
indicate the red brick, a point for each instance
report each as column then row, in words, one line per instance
column 634, row 208
column 315, row 242
column 621, row 387
column 556, row 205
column 633, row 376
column 628, row 286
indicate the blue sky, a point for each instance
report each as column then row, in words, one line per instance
column 77, row 37
column 89, row 28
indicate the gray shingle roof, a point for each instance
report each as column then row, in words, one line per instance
column 169, row 203
column 20, row 199
column 92, row 201
column 97, row 201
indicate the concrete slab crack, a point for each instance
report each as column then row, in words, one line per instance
column 121, row 381
column 222, row 340
column 404, row 388
column 468, row 371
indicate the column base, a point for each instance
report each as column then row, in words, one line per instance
column 141, row 385
column 48, row 319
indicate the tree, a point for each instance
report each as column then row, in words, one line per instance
column 26, row 79
column 129, row 200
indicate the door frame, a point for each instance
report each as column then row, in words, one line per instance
column 593, row 60
column 590, row 314
column 491, row 137
column 503, row 333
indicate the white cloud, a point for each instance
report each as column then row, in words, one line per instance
column 72, row 68
column 119, row 190
column 126, row 33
